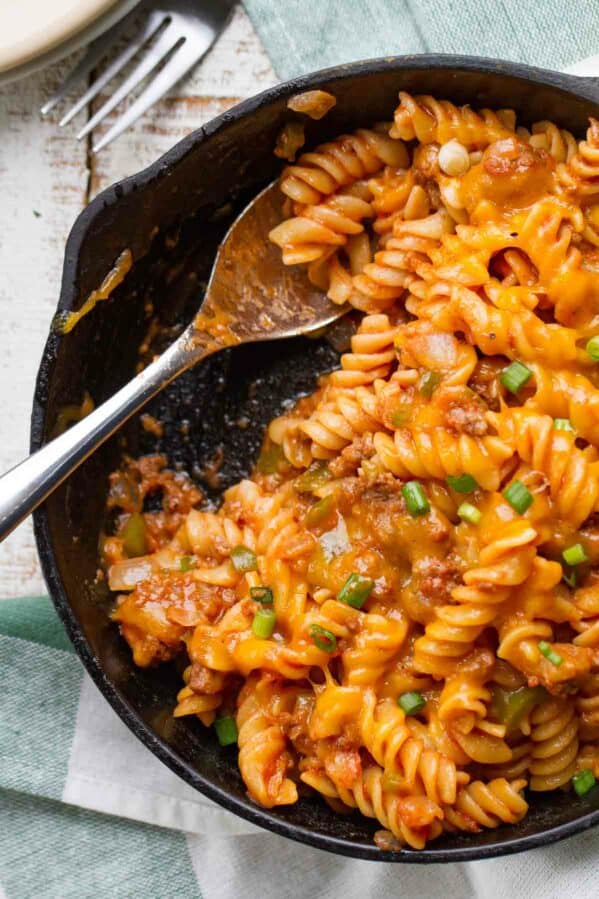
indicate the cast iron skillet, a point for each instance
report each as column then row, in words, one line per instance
column 171, row 216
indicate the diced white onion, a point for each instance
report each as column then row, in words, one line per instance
column 127, row 574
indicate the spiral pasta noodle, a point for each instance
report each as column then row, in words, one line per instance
column 373, row 648
column 398, row 609
column 372, row 353
column 569, row 395
column 505, row 560
column 204, row 705
column 310, row 235
column 555, row 738
column 587, row 707
column 586, row 601
column 518, row 766
column 581, row 174
column 513, row 331
column 397, row 195
column 573, row 478
column 561, row 144
column 487, row 805
column 339, row 419
column 390, row 742
column 438, row 453
column 263, row 760
column 338, row 163
column 396, row 267
column 438, row 121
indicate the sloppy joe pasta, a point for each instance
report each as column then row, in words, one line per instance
column 399, row 610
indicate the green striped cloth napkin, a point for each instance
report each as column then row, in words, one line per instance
column 302, row 35
column 85, row 810
column 81, row 800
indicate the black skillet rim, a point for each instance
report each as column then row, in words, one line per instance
column 245, row 808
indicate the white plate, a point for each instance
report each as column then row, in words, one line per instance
column 34, row 33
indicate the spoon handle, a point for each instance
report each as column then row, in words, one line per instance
column 28, row 484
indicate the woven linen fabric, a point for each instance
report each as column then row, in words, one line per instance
column 85, row 810
column 302, row 35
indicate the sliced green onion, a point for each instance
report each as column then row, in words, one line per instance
column 462, row 483
column 356, row 590
column 226, row 730
column 570, row 578
column 550, row 654
column 244, row 559
column 518, row 496
column 583, row 781
column 575, row 555
column 562, row 424
column 429, row 382
column 515, row 376
column 322, row 638
column 411, row 703
column 468, row 512
column 415, row 499
column 134, row 535
column 264, row 623
column 401, row 417
column 187, row 563
column 262, row 594
column 593, row 348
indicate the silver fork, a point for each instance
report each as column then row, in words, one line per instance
column 182, row 31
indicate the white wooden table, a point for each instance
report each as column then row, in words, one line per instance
column 46, row 179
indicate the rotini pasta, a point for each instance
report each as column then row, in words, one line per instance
column 411, row 819
column 581, row 174
column 561, row 144
column 399, row 609
column 555, row 744
column 317, row 228
column 572, row 473
column 263, row 759
column 487, row 805
column 438, row 121
column 339, row 163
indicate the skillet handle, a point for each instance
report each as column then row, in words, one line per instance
column 585, row 78
column 28, row 484
column 585, row 68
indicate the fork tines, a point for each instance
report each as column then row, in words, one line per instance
column 178, row 33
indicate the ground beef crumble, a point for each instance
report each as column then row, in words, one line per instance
column 348, row 461
column 467, row 416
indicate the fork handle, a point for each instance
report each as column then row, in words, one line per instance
column 28, row 484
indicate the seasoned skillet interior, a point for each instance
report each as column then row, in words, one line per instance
column 172, row 219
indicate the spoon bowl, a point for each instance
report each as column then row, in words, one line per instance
column 250, row 289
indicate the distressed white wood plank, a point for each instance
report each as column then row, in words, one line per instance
column 170, row 120
column 44, row 169
column 41, row 171
column 237, row 65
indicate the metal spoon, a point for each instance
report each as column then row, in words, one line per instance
column 251, row 296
